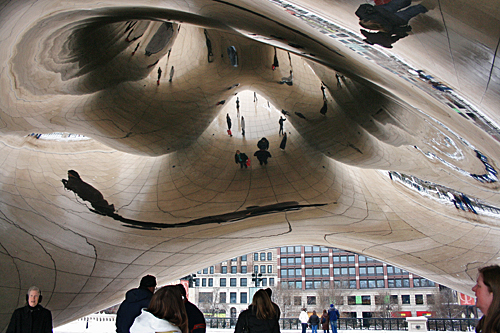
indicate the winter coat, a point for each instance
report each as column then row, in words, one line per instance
column 325, row 322
column 148, row 323
column 256, row 325
column 313, row 320
column 196, row 320
column 30, row 320
column 303, row 317
column 135, row 300
column 333, row 314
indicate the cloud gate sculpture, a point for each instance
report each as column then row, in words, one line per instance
column 392, row 143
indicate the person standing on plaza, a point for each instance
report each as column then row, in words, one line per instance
column 333, row 315
column 159, row 76
column 242, row 126
column 135, row 300
column 241, row 158
column 228, row 120
column 31, row 318
column 325, row 322
column 283, row 142
column 196, row 319
column 260, row 317
column 303, row 318
column 314, row 322
column 281, row 121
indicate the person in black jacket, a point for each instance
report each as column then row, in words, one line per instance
column 241, row 158
column 31, row 318
column 135, row 300
column 314, row 322
column 196, row 319
column 260, row 317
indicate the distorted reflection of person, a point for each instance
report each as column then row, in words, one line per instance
column 288, row 80
column 260, row 317
column 87, row 193
column 487, row 290
column 390, row 20
column 31, row 318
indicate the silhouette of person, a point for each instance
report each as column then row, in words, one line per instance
column 88, row 193
column 228, row 120
column 288, row 79
column 281, row 121
column 242, row 126
column 283, row 142
column 171, row 74
column 324, row 108
column 159, row 76
column 262, row 155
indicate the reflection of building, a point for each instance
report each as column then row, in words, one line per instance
column 226, row 289
column 359, row 286
column 313, row 277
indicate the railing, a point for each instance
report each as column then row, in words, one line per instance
column 385, row 324
column 447, row 324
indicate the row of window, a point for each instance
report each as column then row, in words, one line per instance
column 208, row 298
column 365, row 300
column 325, row 271
column 262, row 256
column 209, row 282
column 363, row 284
column 307, row 249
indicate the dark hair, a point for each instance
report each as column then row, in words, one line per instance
column 148, row 281
column 490, row 323
column 167, row 304
column 182, row 289
column 262, row 305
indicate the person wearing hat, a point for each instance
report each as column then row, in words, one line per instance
column 135, row 300
column 333, row 315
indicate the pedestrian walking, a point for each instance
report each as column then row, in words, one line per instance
column 281, row 121
column 228, row 120
column 242, row 126
column 159, row 76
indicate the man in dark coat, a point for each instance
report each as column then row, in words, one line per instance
column 262, row 155
column 135, row 300
column 31, row 318
column 196, row 320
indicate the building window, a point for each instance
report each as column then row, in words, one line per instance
column 363, row 284
column 223, row 282
column 308, row 249
column 283, row 250
column 234, row 259
column 371, row 270
column 284, row 273
column 351, row 300
column 284, row 261
column 243, row 298
column 380, row 284
column 255, row 268
column 343, row 259
column 343, row 271
column 361, row 258
column 324, row 260
column 243, row 282
column 211, row 269
column 311, row 300
column 205, row 270
column 379, row 270
column 244, row 258
column 430, row 299
column 362, row 271
column 222, row 297
column 256, row 257
column 263, row 268
column 234, row 269
column 308, row 260
column 325, row 271
column 205, row 297
column 316, row 260
column 352, row 271
column 406, row 283
column 394, row 299
column 297, row 300
column 196, row 282
column 326, row 284
column 398, row 283
column 371, row 284
column 269, row 256
column 309, row 285
column 419, row 299
column 210, row 282
column 317, row 284
column 291, row 272
column 264, row 282
column 336, row 259
column 309, row 272
column 317, row 272
column 366, row 300
column 204, row 282
column 244, row 269
column 351, row 259
column 224, row 270
column 232, row 297
column 232, row 282
column 271, row 282
column 405, row 299
column 298, row 285
column 263, row 256
column 316, row 249
column 336, row 271
column 390, row 270
column 269, row 268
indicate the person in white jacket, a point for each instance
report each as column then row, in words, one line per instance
column 166, row 314
column 304, row 318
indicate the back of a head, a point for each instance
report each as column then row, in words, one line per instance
column 262, row 305
column 181, row 289
column 269, row 292
column 148, row 281
column 167, row 304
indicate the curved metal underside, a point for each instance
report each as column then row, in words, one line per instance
column 159, row 153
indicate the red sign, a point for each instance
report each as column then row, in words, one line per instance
column 401, row 314
column 425, row 313
column 466, row 300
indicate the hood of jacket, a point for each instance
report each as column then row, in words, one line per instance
column 138, row 295
column 148, row 323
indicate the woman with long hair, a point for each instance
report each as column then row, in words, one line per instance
column 325, row 322
column 487, row 290
column 260, row 317
column 166, row 313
